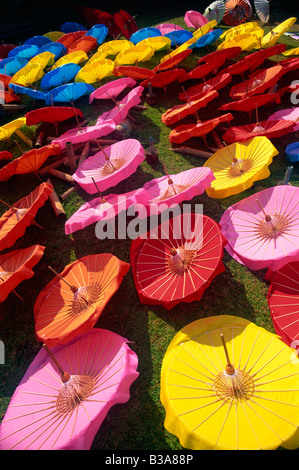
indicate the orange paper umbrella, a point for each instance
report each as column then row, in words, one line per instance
column 18, row 217
column 16, row 266
column 249, row 104
column 257, row 83
column 178, row 112
column 201, row 129
column 236, row 12
column 73, row 301
column 29, row 162
column 85, row 44
column 69, row 38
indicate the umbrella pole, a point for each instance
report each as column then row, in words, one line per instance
column 268, row 217
column 107, row 158
column 229, row 369
column 16, row 210
column 73, row 288
column 103, row 200
column 65, row 376
column 169, row 179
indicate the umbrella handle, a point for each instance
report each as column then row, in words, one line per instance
column 230, row 370
column 73, row 288
column 65, row 376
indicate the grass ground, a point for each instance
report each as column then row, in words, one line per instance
column 138, row 424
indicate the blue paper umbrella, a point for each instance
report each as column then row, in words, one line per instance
column 68, row 93
column 55, row 48
column 71, row 27
column 24, row 52
column 34, row 94
column 38, row 41
column 12, row 65
column 144, row 33
column 207, row 39
column 98, row 31
column 59, row 76
column 179, row 36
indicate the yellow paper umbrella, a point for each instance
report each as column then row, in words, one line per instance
column 76, row 57
column 227, row 384
column 246, row 41
column 157, row 43
column 44, row 59
column 204, row 29
column 272, row 37
column 240, row 29
column 115, row 46
column 293, row 51
column 134, row 54
column 54, row 35
column 28, row 75
column 238, row 165
column 8, row 129
column 94, row 72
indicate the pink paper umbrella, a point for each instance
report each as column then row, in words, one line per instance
column 111, row 90
column 290, row 114
column 110, row 166
column 104, row 208
column 122, row 108
column 194, row 19
column 170, row 190
column 82, row 134
column 166, row 28
column 269, row 128
column 262, row 230
column 67, row 392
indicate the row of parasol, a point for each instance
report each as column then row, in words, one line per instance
column 78, row 374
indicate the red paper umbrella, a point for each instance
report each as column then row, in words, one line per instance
column 68, row 39
column 228, row 53
column 257, row 83
column 16, row 266
column 288, row 89
column 178, row 112
column 283, row 300
column 137, row 73
column 5, row 49
column 268, row 128
column 85, row 44
column 173, row 61
column 236, row 12
column 126, row 23
column 249, row 104
column 52, row 114
column 204, row 69
column 5, row 79
column 254, row 60
column 161, row 80
column 14, row 221
column 215, row 83
column 5, row 155
column 178, row 260
column 10, row 97
column 289, row 65
column 29, row 162
column 201, row 129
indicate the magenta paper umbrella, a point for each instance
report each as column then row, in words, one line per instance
column 111, row 90
column 67, row 392
column 269, row 128
column 166, row 28
column 194, row 19
column 262, row 230
column 110, row 166
column 170, row 190
column 82, row 134
column 122, row 108
column 104, row 208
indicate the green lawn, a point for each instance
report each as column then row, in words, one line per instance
column 138, row 424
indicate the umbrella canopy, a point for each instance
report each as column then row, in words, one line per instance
column 79, row 383
column 5, row 155
column 29, row 162
column 170, row 190
column 23, row 90
column 203, row 70
column 207, row 39
column 134, row 55
column 5, row 79
column 173, row 61
column 94, row 72
column 157, row 43
column 117, row 114
column 163, row 79
column 15, row 220
column 71, row 26
column 54, row 35
column 28, row 75
column 201, row 129
column 85, row 44
column 55, row 48
column 283, row 296
column 215, row 11
column 85, row 133
column 68, row 93
column 228, row 53
column 168, row 268
column 289, row 114
column 112, row 48
column 69, row 38
column 247, row 105
column 165, row 28
column 110, row 166
column 227, row 384
column 178, row 112
column 237, row 12
column 245, row 41
column 261, row 229
column 76, row 57
column 16, row 266
column 262, row 10
column 215, row 83
column 59, row 76
column 269, row 128
column 24, row 52
column 125, row 23
column 52, row 114
column 272, row 37
column 73, row 301
column 194, row 19
column 4, row 50
column 38, row 41
column 11, row 65
column 111, row 90
column 237, row 166
column 179, row 37
column 44, row 59
column 104, row 208
column 98, row 31
column 8, row 129
column 257, row 83
column 144, row 33
column 137, row 73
